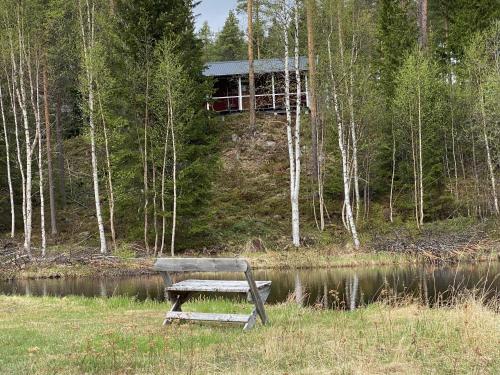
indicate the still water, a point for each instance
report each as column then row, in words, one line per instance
column 332, row 288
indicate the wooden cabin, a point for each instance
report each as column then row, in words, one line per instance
column 231, row 91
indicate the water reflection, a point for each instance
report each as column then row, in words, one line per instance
column 335, row 288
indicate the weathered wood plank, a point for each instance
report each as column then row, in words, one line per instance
column 259, row 305
column 224, row 318
column 200, row 265
column 221, row 286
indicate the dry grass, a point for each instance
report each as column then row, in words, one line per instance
column 117, row 335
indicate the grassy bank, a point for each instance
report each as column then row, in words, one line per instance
column 117, row 335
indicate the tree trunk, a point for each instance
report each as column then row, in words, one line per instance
column 60, row 152
column 110, row 177
column 313, row 107
column 12, row 95
column 422, row 24
column 488, row 155
column 174, row 178
column 312, row 87
column 345, row 168
column 251, row 73
column 391, row 197
column 349, row 88
column 145, row 165
column 9, row 177
column 420, row 163
column 48, row 139
column 298, row 102
column 290, row 136
column 29, row 146
column 155, row 207
column 87, row 47
column 35, row 103
column 163, row 173
column 415, row 173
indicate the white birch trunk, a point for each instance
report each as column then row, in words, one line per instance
column 110, row 177
column 345, row 167
column 420, row 162
column 391, row 198
column 35, row 104
column 163, row 173
column 295, row 204
column 145, row 166
column 292, row 143
column 488, row 155
column 12, row 95
column 21, row 96
column 87, row 49
column 9, row 177
column 174, row 178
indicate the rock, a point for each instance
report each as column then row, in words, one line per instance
column 83, row 235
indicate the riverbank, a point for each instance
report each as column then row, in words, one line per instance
column 118, row 335
column 85, row 262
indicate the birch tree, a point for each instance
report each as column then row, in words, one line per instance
column 341, row 133
column 288, row 13
column 19, row 77
column 173, row 92
column 87, row 29
column 48, row 144
column 483, row 67
column 7, row 161
column 317, row 157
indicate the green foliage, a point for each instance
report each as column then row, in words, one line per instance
column 230, row 43
column 419, row 104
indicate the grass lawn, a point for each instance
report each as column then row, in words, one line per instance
column 119, row 335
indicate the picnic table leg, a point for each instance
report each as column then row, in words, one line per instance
column 176, row 306
column 256, row 296
column 264, row 293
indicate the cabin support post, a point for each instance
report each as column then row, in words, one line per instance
column 274, row 91
column 307, row 92
column 240, row 95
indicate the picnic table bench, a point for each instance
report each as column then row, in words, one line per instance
column 178, row 293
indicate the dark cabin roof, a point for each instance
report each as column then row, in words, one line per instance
column 230, row 68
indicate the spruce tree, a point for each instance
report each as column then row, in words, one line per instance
column 230, row 44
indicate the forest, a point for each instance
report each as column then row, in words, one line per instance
column 106, row 140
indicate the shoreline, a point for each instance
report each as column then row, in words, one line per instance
column 94, row 265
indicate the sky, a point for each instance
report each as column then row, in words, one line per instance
column 214, row 12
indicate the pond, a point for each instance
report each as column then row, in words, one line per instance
column 344, row 288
